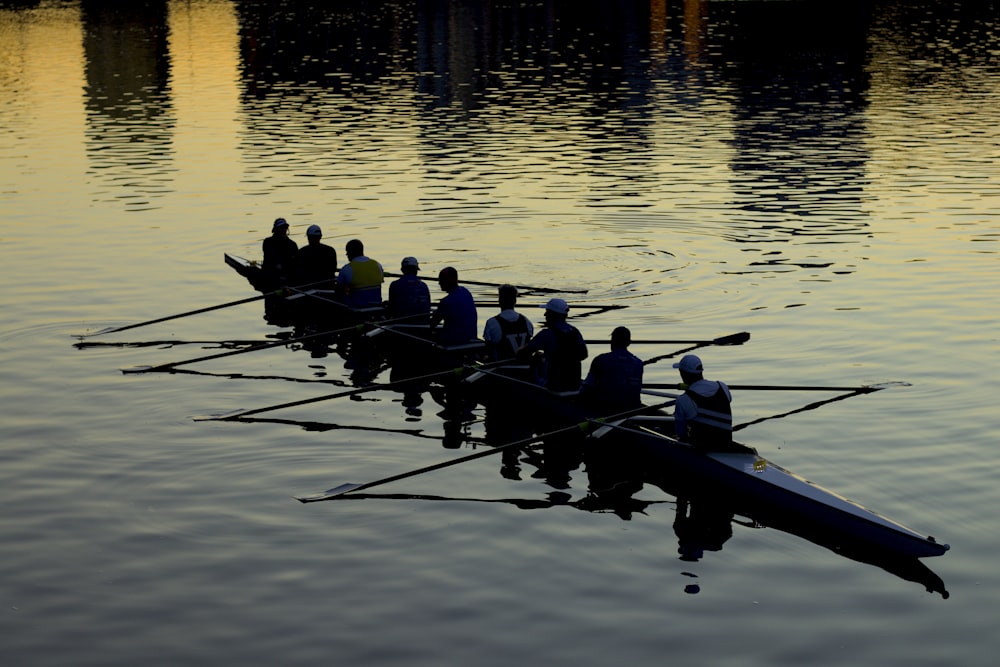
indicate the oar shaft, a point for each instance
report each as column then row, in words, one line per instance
column 575, row 306
column 581, row 426
column 767, row 387
column 230, row 353
column 525, row 288
column 731, row 339
column 179, row 315
column 197, row 311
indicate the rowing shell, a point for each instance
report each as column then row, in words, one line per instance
column 768, row 493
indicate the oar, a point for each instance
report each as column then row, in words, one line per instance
column 731, row 339
column 547, row 290
column 179, row 315
column 261, row 346
column 575, row 306
column 864, row 389
column 197, row 311
column 582, row 426
column 852, row 391
column 328, row 397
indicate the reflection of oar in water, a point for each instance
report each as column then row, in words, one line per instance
column 243, row 376
column 340, row 394
column 262, row 346
column 323, row 427
column 580, row 427
column 587, row 503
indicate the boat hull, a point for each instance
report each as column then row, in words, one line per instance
column 769, row 494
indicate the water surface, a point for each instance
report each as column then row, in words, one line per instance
column 823, row 177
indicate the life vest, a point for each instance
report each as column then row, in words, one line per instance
column 513, row 335
column 409, row 296
column 562, row 364
column 713, row 425
column 365, row 286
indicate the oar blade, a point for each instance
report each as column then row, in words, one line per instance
column 219, row 417
column 329, row 493
column 733, row 339
column 137, row 369
column 105, row 330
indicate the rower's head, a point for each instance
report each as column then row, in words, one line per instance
column 507, row 295
column 448, row 278
column 690, row 367
column 556, row 310
column 621, row 338
column 314, row 234
column 409, row 266
column 280, row 227
column 354, row 248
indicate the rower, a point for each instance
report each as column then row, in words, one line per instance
column 316, row 262
column 614, row 383
column 409, row 296
column 279, row 254
column 703, row 415
column 558, row 350
column 360, row 280
column 456, row 312
column 508, row 330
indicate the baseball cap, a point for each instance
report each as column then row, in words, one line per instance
column 314, row 230
column 689, row 363
column 557, row 306
column 279, row 222
column 410, row 261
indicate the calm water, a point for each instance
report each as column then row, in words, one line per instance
column 823, row 177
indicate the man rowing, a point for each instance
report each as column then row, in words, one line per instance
column 614, row 383
column 316, row 262
column 456, row 312
column 508, row 330
column 703, row 414
column 557, row 350
column 409, row 296
column 279, row 254
column 360, row 280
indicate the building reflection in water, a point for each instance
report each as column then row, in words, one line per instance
column 129, row 111
column 463, row 97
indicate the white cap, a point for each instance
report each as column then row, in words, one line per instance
column 410, row 261
column 314, row 230
column 557, row 306
column 689, row 363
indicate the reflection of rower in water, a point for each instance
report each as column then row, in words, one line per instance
column 701, row 526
